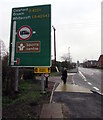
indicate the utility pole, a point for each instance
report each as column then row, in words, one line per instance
column 69, row 55
column 0, row 83
column 54, row 45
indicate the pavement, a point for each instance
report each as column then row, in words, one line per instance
column 55, row 110
column 72, row 101
column 71, row 88
column 51, row 110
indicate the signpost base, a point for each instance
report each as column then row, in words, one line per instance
column 46, row 82
column 42, row 83
column 16, row 79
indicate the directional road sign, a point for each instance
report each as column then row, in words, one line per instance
column 30, row 36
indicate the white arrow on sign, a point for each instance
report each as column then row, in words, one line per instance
column 34, row 32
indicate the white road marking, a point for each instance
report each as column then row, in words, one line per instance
column 51, row 97
column 34, row 32
column 95, row 88
column 89, row 83
column 100, row 93
column 71, row 73
column 83, row 77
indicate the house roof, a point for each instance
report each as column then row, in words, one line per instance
column 101, row 57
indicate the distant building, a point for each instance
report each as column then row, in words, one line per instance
column 90, row 64
column 100, row 61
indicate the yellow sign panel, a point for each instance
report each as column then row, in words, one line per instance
column 42, row 70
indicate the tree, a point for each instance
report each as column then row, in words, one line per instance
column 66, row 57
column 8, row 76
column 66, row 61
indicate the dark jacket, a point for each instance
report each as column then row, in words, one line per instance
column 64, row 74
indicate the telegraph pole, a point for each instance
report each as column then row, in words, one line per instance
column 0, row 84
column 69, row 54
column 54, row 45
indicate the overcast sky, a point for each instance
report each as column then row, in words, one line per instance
column 77, row 23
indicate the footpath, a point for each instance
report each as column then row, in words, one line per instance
column 71, row 101
column 55, row 109
column 52, row 110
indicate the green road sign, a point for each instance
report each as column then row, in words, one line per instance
column 30, row 36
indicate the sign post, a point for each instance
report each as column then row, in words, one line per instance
column 16, row 79
column 45, row 74
column 42, row 83
column 30, row 37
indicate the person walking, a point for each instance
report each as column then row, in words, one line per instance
column 64, row 75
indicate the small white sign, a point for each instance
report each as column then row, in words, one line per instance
column 46, row 75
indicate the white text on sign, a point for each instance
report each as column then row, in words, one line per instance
column 28, row 46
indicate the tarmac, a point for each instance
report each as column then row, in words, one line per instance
column 55, row 110
column 52, row 110
column 72, row 101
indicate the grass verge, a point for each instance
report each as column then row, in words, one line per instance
column 27, row 103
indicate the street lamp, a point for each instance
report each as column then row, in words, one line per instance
column 54, row 45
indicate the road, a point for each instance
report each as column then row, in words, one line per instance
column 89, row 78
column 81, row 104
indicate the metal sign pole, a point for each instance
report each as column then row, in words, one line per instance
column 42, row 83
column 46, row 82
column 16, row 79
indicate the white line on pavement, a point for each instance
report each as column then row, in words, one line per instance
column 85, row 79
column 51, row 97
column 71, row 73
column 82, row 76
column 95, row 88
column 89, row 83
column 100, row 93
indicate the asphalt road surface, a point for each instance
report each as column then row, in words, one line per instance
column 89, row 78
column 82, row 104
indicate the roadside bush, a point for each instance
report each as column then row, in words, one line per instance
column 8, row 76
column 27, row 73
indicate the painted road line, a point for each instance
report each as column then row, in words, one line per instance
column 99, row 93
column 85, row 79
column 89, row 83
column 95, row 88
column 71, row 74
column 51, row 97
column 82, row 76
